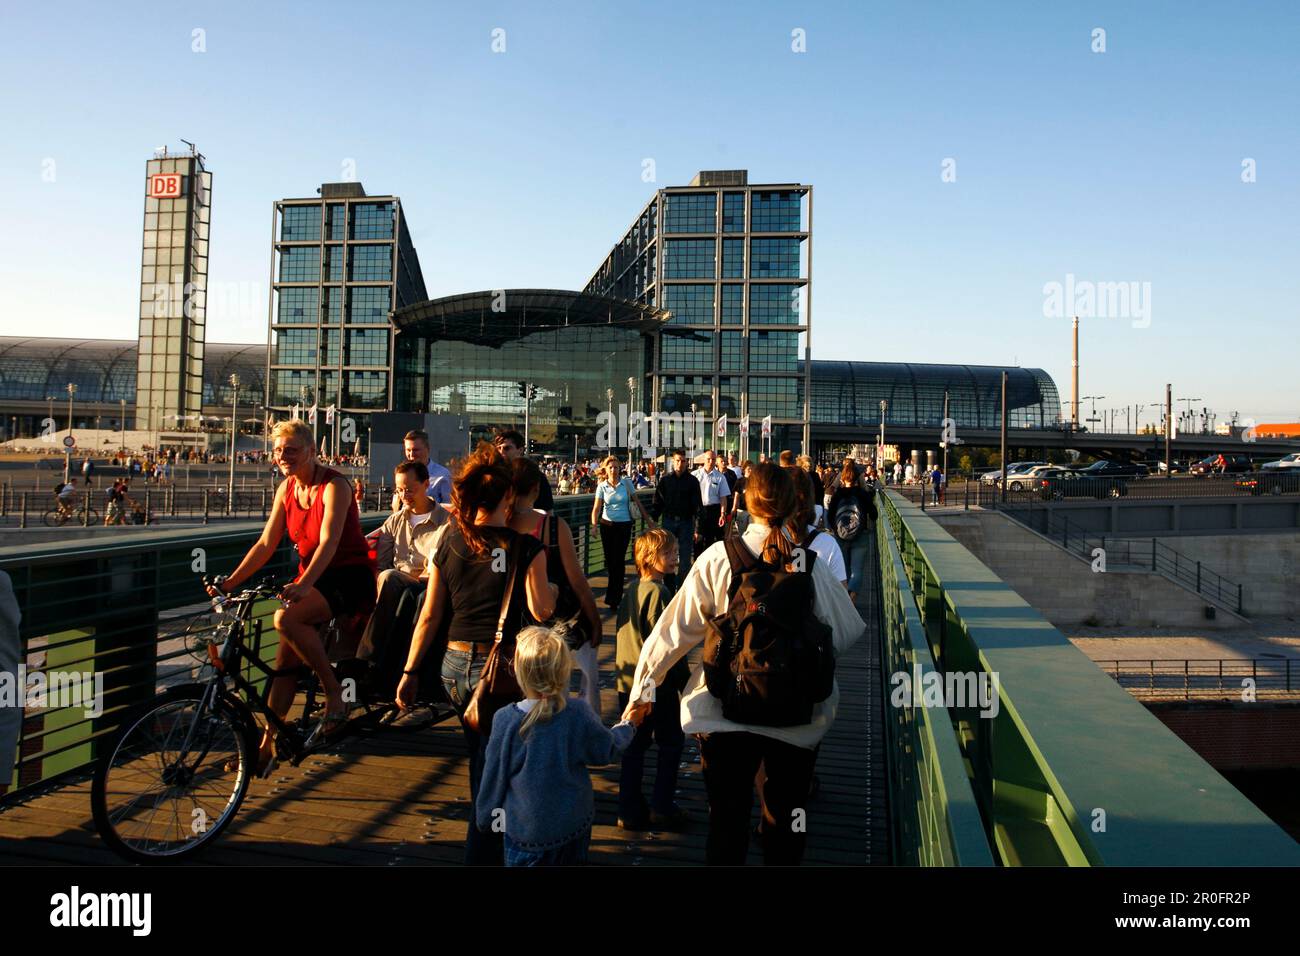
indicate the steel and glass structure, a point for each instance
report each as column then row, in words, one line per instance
column 850, row 393
column 341, row 264
column 34, row 370
column 732, row 264
column 468, row 355
column 173, row 290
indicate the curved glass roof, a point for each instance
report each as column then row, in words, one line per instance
column 36, row 369
column 497, row 316
column 850, row 393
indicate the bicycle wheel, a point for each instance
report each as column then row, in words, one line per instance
column 54, row 518
column 163, row 792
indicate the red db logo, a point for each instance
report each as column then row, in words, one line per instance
column 165, row 186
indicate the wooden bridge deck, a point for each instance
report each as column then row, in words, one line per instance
column 402, row 798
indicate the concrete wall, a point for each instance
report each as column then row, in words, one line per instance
column 1266, row 565
column 1065, row 589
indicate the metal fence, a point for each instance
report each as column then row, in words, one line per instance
column 1208, row 679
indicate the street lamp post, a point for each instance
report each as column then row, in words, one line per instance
column 631, row 403
column 1092, row 415
column 67, row 459
column 234, row 426
column 122, row 445
column 692, row 442
column 609, row 402
column 881, row 453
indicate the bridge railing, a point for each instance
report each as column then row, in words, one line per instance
column 1067, row 768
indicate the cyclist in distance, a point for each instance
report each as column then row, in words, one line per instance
column 335, row 576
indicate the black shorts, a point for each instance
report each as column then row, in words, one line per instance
column 348, row 590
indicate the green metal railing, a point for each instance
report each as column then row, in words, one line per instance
column 1071, row 770
column 937, row 820
column 118, row 609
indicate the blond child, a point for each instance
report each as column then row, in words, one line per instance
column 536, row 788
column 656, row 556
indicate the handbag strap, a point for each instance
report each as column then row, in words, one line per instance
column 505, row 598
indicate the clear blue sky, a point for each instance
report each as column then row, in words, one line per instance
column 523, row 168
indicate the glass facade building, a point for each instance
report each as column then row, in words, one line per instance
column 173, row 290
column 585, row 356
column 341, row 265
column 732, row 264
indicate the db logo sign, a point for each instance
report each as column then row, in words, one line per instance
column 165, row 186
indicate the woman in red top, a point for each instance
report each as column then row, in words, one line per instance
column 335, row 575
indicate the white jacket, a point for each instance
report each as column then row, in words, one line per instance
column 684, row 625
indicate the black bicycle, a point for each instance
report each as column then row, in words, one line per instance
column 174, row 776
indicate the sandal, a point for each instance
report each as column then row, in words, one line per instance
column 329, row 727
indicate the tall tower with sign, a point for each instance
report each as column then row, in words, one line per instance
column 173, row 291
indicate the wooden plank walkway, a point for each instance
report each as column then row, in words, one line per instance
column 395, row 798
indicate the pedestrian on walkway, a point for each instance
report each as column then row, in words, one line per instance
column 732, row 751
column 611, row 513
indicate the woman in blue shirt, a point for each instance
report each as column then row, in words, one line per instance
column 612, row 513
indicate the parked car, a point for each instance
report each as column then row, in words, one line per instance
column 1114, row 469
column 1275, row 481
column 1236, row 465
column 1054, row 487
column 1013, row 469
column 1290, row 461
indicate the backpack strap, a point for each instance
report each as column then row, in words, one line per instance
column 741, row 561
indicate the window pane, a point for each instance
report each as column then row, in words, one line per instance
column 692, row 212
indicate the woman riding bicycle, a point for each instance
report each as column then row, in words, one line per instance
column 335, row 576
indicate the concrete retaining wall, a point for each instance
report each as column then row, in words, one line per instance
column 1065, row 589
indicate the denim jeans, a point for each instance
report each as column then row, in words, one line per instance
column 855, row 558
column 664, row 724
column 460, row 675
column 573, row 853
column 684, row 530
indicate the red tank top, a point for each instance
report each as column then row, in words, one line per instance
column 304, row 526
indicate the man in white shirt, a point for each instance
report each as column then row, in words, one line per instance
column 714, row 492
column 416, row 447
column 405, row 543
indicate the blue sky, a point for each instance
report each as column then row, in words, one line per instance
column 522, row 168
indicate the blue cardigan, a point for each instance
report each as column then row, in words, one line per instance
column 541, row 781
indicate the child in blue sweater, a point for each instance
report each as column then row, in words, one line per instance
column 536, row 788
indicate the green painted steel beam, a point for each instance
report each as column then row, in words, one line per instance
column 1070, row 751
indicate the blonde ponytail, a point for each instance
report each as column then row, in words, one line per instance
column 543, row 666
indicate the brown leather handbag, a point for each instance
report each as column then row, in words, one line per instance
column 497, row 686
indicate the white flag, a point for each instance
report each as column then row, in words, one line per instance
column 744, row 424
column 297, row 409
column 311, row 413
column 329, row 415
column 767, row 426
column 722, row 427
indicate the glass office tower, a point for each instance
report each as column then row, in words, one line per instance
column 173, row 291
column 732, row 263
column 341, row 264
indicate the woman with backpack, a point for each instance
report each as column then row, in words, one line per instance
column 576, row 616
column 476, row 558
column 850, row 515
column 760, row 585
column 611, row 512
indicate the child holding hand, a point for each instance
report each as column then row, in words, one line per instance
column 536, row 788
column 656, row 556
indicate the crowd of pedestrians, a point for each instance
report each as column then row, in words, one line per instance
column 474, row 568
